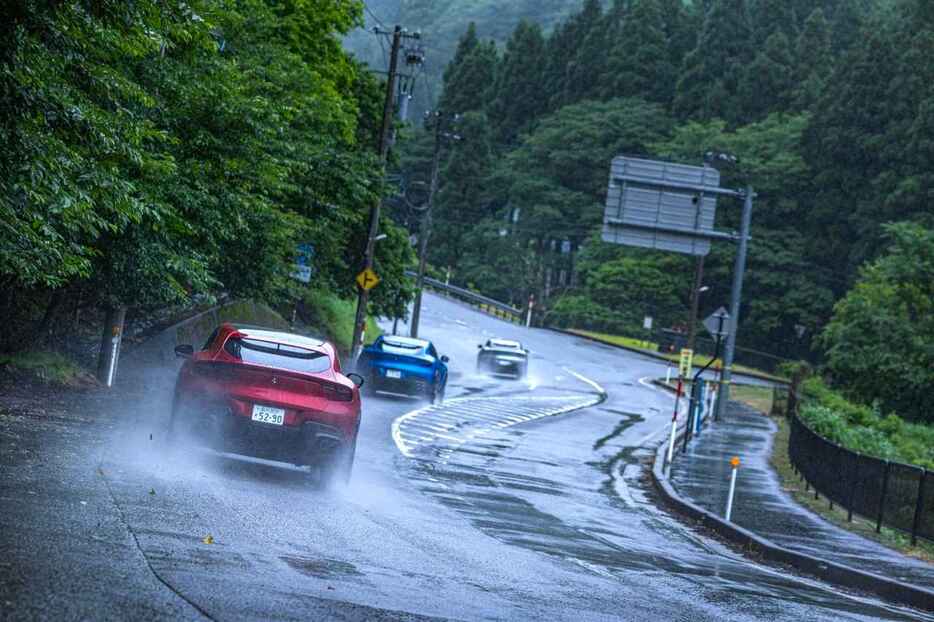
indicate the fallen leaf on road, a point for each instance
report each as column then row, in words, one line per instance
column 152, row 491
column 208, row 539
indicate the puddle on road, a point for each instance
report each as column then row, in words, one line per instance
column 322, row 568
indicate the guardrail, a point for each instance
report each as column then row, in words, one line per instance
column 485, row 304
column 900, row 496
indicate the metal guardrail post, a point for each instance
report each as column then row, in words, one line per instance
column 885, row 490
column 852, row 500
column 919, row 507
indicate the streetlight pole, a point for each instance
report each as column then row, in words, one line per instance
column 736, row 295
column 384, row 139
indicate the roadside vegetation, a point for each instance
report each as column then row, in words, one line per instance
column 334, row 317
column 157, row 153
column 824, row 103
column 50, row 368
column 866, row 429
column 792, row 484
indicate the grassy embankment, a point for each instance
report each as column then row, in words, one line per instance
column 860, row 428
column 333, row 320
column 333, row 317
column 49, row 368
column 699, row 360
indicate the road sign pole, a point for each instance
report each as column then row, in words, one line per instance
column 735, row 298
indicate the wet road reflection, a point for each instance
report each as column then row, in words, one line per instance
column 545, row 487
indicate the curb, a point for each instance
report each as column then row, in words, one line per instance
column 832, row 572
column 660, row 357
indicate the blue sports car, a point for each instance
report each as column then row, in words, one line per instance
column 404, row 365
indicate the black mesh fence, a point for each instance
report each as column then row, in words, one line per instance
column 892, row 494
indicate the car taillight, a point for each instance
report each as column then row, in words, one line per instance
column 337, row 393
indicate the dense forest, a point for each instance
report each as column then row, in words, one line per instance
column 441, row 23
column 153, row 152
column 828, row 107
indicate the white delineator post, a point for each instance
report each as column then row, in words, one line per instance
column 528, row 317
column 674, row 424
column 668, row 374
column 734, row 462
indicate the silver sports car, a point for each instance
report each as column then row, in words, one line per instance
column 503, row 357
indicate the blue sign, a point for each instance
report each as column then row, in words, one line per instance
column 302, row 270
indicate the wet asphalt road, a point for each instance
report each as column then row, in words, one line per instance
column 496, row 506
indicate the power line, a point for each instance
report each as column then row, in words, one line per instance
column 375, row 17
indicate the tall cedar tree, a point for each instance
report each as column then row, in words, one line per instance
column 712, row 72
column 519, row 92
column 814, row 61
column 640, row 63
column 771, row 16
column 462, row 198
column 575, row 55
column 468, row 79
column 842, row 145
column 769, row 81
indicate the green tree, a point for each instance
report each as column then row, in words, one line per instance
column 519, row 92
column 463, row 199
column 575, row 54
column 712, row 72
column 768, row 82
column 469, row 78
column 814, row 61
column 843, row 146
column 878, row 342
column 556, row 181
column 640, row 64
column 773, row 16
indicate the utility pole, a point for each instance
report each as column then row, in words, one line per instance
column 398, row 34
column 695, row 302
column 736, row 296
column 424, row 231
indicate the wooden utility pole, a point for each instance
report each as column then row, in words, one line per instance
column 398, row 34
column 424, row 231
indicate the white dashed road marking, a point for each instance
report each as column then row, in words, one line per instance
column 458, row 420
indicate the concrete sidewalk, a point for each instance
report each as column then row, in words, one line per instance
column 702, row 476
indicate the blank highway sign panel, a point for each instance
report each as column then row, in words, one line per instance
column 641, row 212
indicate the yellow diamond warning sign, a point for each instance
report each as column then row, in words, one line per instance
column 367, row 280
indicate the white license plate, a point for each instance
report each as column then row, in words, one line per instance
column 393, row 373
column 268, row 414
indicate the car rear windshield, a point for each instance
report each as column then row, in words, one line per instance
column 401, row 347
column 279, row 355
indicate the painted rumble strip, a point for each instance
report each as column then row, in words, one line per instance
column 459, row 420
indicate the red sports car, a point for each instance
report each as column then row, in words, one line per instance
column 272, row 395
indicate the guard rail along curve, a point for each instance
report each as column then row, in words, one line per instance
column 485, row 304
